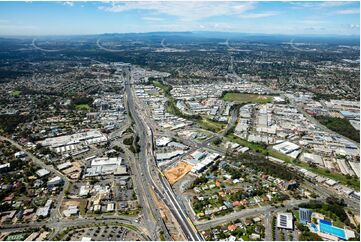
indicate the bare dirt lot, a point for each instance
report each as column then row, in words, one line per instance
column 174, row 174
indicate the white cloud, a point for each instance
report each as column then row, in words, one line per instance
column 334, row 3
column 259, row 15
column 318, row 5
column 348, row 11
column 354, row 26
column 152, row 18
column 69, row 3
column 185, row 10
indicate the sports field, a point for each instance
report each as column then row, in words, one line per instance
column 246, row 98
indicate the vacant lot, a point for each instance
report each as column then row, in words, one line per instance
column 15, row 93
column 82, row 107
column 211, row 125
column 246, row 98
column 174, row 174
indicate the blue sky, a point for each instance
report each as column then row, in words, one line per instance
column 67, row 18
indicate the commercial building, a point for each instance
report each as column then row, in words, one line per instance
column 44, row 211
column 169, row 155
column 305, row 215
column 350, row 115
column 64, row 165
column 72, row 210
column 74, row 142
column 101, row 166
column 42, row 172
column 205, row 163
column 163, row 141
column 56, row 181
column 4, row 167
column 285, row 220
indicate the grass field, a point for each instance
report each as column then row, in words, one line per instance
column 211, row 125
column 246, row 98
column 82, row 207
column 17, row 237
column 15, row 93
column 253, row 146
column 166, row 88
column 82, row 107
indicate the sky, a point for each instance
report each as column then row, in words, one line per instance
column 78, row 17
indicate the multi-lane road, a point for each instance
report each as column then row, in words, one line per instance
column 150, row 172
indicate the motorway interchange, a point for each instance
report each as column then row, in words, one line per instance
column 153, row 188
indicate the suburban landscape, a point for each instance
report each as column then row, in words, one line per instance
column 179, row 136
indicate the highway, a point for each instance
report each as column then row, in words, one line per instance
column 151, row 173
column 151, row 215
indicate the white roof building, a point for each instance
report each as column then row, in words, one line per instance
column 163, row 141
column 42, row 172
column 72, row 210
column 313, row 158
column 286, row 147
column 64, row 165
column 44, row 211
column 104, row 166
column 84, row 191
column 4, row 166
column 110, row 207
column 285, row 220
column 169, row 155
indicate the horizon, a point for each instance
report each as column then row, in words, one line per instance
column 183, row 32
column 95, row 18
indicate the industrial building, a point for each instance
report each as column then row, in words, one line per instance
column 74, row 142
column 288, row 148
column 168, row 155
column 101, row 166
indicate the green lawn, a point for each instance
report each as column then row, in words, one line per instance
column 246, row 98
column 211, row 125
column 259, row 148
column 171, row 106
column 17, row 237
column 82, row 207
column 85, row 107
column 15, row 93
column 341, row 126
column 279, row 155
column 253, row 146
column 166, row 88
